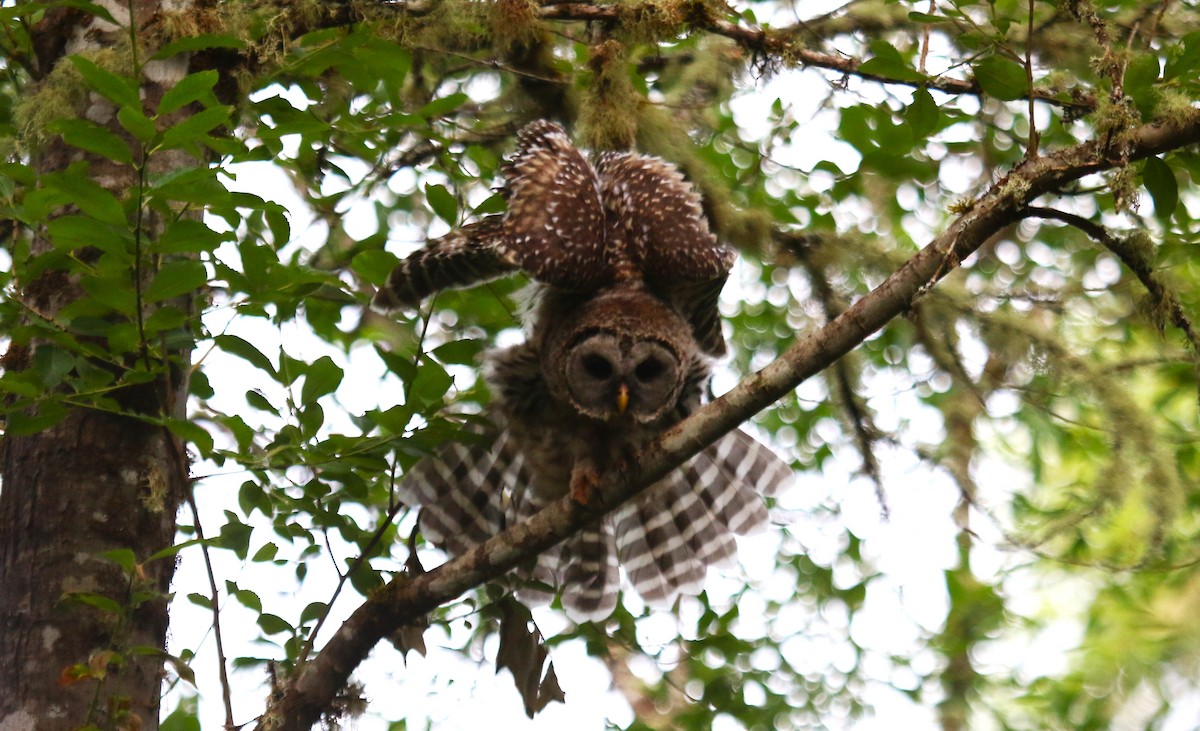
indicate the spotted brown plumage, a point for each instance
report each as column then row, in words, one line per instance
column 621, row 328
column 580, row 228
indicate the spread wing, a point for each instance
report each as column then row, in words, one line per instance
column 472, row 254
column 669, row 536
column 660, row 226
column 555, row 224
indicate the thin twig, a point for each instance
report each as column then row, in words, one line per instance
column 1034, row 136
column 1141, row 269
column 214, row 599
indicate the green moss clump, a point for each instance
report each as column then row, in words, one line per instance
column 62, row 94
column 515, row 24
column 608, row 119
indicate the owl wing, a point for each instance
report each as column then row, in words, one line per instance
column 554, row 228
column 662, row 230
column 697, row 303
column 470, row 491
column 461, row 489
column 472, row 254
column 669, row 536
column 555, row 224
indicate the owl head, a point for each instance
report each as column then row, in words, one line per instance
column 622, row 354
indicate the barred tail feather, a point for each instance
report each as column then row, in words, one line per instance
column 655, row 553
column 589, row 574
column 666, row 539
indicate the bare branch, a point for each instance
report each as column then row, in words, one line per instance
column 300, row 703
column 1128, row 252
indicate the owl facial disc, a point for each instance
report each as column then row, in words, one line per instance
column 608, row 376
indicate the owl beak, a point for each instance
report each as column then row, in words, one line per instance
column 622, row 398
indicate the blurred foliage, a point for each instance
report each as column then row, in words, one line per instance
column 1057, row 395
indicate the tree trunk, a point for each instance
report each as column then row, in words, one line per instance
column 82, row 633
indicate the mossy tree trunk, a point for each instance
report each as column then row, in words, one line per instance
column 85, row 502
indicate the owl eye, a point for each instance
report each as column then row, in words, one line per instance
column 649, row 369
column 598, row 367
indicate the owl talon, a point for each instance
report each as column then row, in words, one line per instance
column 584, row 483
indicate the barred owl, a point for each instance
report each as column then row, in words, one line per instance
column 620, row 334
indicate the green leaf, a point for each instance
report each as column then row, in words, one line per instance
column 48, row 413
column 113, row 292
column 240, row 347
column 1183, row 58
column 198, row 185
column 1164, row 189
column 189, row 236
column 122, row 557
column 267, row 552
column 181, row 668
column 136, row 123
column 192, row 433
column 19, row 173
column 165, row 317
column 374, row 265
column 430, row 384
column 245, row 597
column 887, row 63
column 90, row 8
column 313, row 612
column 444, row 204
column 273, row 624
column 190, row 88
column 1002, row 78
column 322, row 377
column 918, row 17
column 51, row 364
column 461, row 352
column 198, row 43
column 235, row 536
column 185, row 717
column 89, row 196
column 176, row 277
column 439, row 107
column 256, row 399
column 200, row 600
column 120, row 90
column 194, row 128
column 89, row 136
column 99, row 601
column 172, row 551
column 922, row 115
column 251, row 495
column 71, row 232
column 495, row 203
column 1141, row 72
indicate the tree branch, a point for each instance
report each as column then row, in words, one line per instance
column 305, row 696
column 1134, row 257
column 782, row 43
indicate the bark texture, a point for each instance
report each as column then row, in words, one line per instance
column 82, row 634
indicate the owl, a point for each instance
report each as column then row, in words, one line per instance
column 621, row 330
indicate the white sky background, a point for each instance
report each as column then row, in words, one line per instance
column 912, row 550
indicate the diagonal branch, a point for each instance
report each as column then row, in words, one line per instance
column 300, row 703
